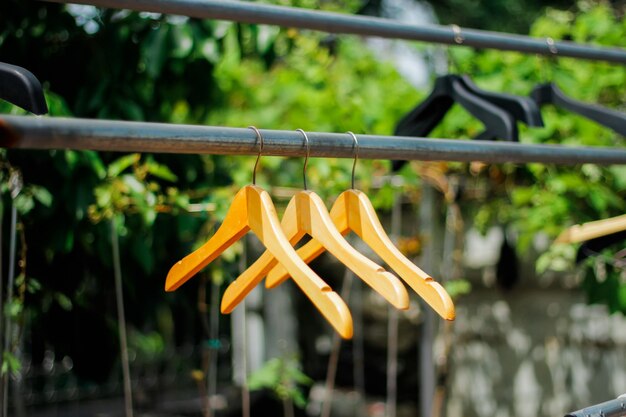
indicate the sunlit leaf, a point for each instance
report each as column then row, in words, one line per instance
column 121, row 164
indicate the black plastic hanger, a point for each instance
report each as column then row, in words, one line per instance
column 523, row 109
column 450, row 89
column 20, row 87
column 594, row 246
column 550, row 93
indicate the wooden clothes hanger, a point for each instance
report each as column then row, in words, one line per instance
column 592, row 230
column 252, row 209
column 307, row 214
column 353, row 211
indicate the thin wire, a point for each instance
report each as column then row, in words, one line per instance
column 356, row 155
column 306, row 158
column 260, row 137
column 121, row 318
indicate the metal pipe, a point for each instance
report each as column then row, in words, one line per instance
column 292, row 17
column 612, row 408
column 34, row 132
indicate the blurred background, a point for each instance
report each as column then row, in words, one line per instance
column 537, row 333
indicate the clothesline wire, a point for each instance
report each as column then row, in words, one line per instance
column 292, row 17
column 32, row 132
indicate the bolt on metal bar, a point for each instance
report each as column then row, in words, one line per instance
column 36, row 132
column 248, row 12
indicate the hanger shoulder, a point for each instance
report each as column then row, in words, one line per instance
column 233, row 227
column 20, row 87
column 592, row 230
column 264, row 223
column 312, row 249
column 315, row 220
column 250, row 278
column 551, row 93
column 364, row 222
column 521, row 108
column 422, row 119
column 496, row 120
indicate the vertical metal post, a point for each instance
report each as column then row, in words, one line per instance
column 7, row 324
column 214, row 334
column 2, row 413
column 392, row 324
column 358, row 349
column 15, row 187
column 427, row 220
column 333, row 360
column 240, row 348
column 121, row 320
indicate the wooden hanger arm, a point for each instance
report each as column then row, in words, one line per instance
column 264, row 223
column 592, row 230
column 232, row 229
column 246, row 281
column 363, row 221
column 251, row 277
column 312, row 249
column 314, row 218
column 353, row 211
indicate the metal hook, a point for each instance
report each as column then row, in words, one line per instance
column 356, row 155
column 306, row 158
column 260, row 137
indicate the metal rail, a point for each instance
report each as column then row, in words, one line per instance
column 292, row 17
column 35, row 132
column 612, row 408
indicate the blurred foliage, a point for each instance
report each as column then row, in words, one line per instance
column 145, row 66
column 501, row 15
column 284, row 378
column 539, row 198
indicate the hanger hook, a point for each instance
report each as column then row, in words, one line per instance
column 260, row 138
column 306, row 158
column 356, row 155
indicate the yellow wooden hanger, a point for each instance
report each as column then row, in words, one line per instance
column 592, row 230
column 353, row 211
column 307, row 214
column 252, row 209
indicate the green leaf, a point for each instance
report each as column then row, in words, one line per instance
column 24, row 203
column 95, row 163
column 182, row 38
column 10, row 363
column 42, row 195
column 161, row 171
column 458, row 287
column 64, row 302
column 13, row 308
column 103, row 196
column 134, row 184
column 33, row 285
column 156, row 49
column 119, row 165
